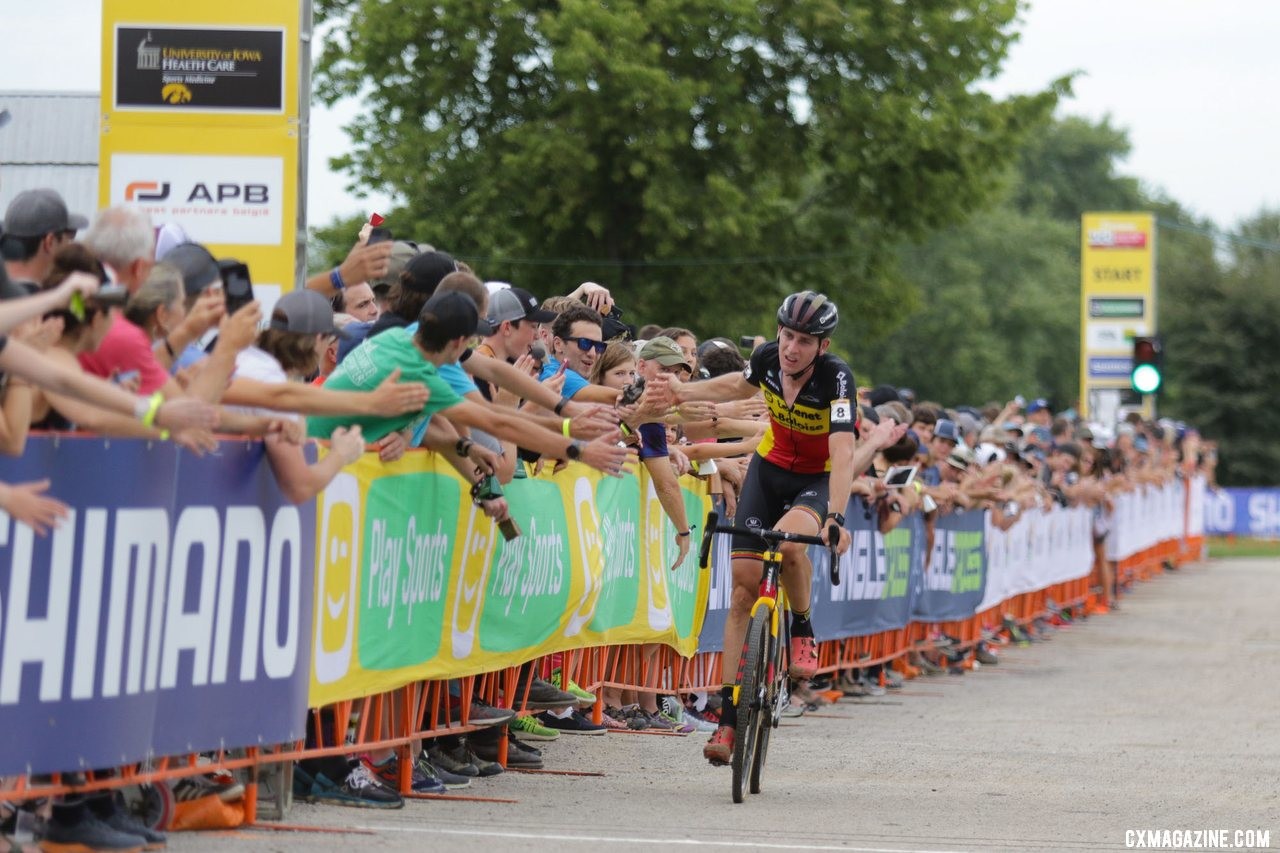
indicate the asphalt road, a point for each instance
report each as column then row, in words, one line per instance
column 1160, row 716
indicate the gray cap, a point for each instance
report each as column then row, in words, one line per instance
column 198, row 266
column 401, row 253
column 946, row 429
column 304, row 312
column 34, row 213
column 513, row 303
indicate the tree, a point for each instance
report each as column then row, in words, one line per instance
column 702, row 157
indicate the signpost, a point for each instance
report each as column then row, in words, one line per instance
column 1117, row 304
column 205, row 115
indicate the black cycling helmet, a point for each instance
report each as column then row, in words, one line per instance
column 809, row 313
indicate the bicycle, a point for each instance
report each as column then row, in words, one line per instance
column 762, row 672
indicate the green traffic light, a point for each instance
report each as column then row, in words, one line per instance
column 1146, row 379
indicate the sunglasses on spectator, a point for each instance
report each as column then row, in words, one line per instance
column 586, row 344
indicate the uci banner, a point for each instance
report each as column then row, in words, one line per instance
column 169, row 612
column 414, row 582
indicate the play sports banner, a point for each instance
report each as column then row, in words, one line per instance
column 414, row 582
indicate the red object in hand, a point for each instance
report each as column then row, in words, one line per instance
column 375, row 220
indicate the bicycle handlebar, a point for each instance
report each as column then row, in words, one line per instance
column 713, row 526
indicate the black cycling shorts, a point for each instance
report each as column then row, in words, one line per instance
column 768, row 492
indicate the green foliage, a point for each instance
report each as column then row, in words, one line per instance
column 628, row 142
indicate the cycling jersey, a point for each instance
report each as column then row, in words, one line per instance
column 796, row 439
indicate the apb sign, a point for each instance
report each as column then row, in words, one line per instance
column 199, row 69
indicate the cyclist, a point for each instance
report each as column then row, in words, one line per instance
column 799, row 479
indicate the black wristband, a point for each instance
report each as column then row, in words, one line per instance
column 837, row 518
column 463, row 446
column 574, row 451
column 564, row 401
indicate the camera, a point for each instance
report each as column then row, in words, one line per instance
column 747, row 341
column 632, row 393
column 235, row 283
column 379, row 235
column 489, row 489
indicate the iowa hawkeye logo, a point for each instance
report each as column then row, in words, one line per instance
column 176, row 93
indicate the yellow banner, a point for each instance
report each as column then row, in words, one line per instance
column 413, row 582
column 203, row 122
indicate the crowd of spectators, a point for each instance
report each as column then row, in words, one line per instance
column 402, row 346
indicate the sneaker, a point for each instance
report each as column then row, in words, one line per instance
column 196, row 787
column 892, row 679
column 110, row 809
column 574, row 724
column 650, row 722
column 543, row 696
column 527, row 747
column 719, row 750
column 793, row 709
column 519, row 757
column 361, row 789
column 872, row 688
column 422, row 782
column 804, row 657
column 986, row 656
column 585, row 698
column 442, row 760
column 530, row 728
column 678, row 725
column 700, row 722
column 610, row 722
column 482, row 715
column 74, row 829
column 464, row 753
column 451, row 781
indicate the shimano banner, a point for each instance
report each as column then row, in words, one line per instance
column 1242, row 512
column 169, row 612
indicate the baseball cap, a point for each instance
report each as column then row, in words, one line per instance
column 199, row 268
column 454, row 313
column 401, row 253
column 664, row 351
column 946, row 429
column 882, row 394
column 1036, row 405
column 34, row 213
column 304, row 312
column 513, row 303
column 425, row 271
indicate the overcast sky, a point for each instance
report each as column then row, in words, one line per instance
column 1194, row 83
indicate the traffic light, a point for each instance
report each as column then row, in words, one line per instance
column 1147, row 373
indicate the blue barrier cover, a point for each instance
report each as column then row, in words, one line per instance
column 171, row 612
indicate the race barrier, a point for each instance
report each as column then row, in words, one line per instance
column 167, row 616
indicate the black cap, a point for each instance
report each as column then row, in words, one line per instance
column 532, row 307
column 425, row 271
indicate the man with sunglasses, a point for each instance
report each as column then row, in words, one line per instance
column 577, row 340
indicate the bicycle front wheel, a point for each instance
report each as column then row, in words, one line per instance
column 753, row 710
column 775, row 694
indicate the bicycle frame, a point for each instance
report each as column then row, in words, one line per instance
column 771, row 595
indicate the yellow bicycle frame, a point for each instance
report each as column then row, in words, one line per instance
column 775, row 606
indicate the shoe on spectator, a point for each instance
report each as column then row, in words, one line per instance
column 362, row 788
column 451, row 781
column 610, row 722
column 196, row 787
column 574, row 724
column 543, row 696
column 719, row 750
column 804, row 657
column 530, row 728
column 74, row 826
column 872, row 687
column 792, row 709
column 928, row 667
column 585, row 698
column 635, row 719
column 109, row 808
column 672, row 710
column 422, row 782
column 986, row 656
column 483, row 714
column 642, row 720
column 463, row 752
column 700, row 722
column 527, row 747
column 519, row 757
column 443, row 760
column 892, row 678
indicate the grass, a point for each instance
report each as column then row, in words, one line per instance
column 1234, row 547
